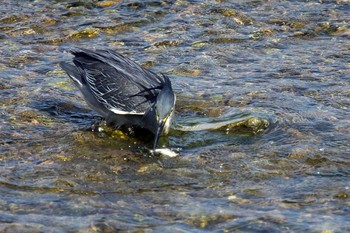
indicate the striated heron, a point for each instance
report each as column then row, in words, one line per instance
column 123, row 92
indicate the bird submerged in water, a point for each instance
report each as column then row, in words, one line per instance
column 123, row 92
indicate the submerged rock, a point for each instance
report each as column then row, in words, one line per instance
column 252, row 124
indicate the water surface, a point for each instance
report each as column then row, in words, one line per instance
column 282, row 62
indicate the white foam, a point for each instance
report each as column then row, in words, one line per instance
column 166, row 152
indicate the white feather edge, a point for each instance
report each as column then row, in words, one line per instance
column 76, row 80
column 121, row 112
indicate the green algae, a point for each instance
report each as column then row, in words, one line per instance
column 86, row 33
column 237, row 16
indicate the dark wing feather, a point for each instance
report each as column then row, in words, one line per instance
column 73, row 73
column 120, row 84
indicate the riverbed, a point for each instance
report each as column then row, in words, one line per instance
column 279, row 68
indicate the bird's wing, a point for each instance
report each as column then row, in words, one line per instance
column 120, row 84
column 72, row 72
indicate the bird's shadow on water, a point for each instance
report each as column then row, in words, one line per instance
column 79, row 118
column 68, row 111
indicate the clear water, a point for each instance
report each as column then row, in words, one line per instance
column 286, row 62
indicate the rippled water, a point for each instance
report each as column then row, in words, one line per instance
column 281, row 62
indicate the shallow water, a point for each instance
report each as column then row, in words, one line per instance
column 281, row 62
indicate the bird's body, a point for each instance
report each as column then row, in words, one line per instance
column 122, row 91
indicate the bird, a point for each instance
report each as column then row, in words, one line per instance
column 122, row 91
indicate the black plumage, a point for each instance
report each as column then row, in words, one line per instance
column 122, row 91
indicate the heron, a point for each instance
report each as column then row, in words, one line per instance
column 122, row 91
